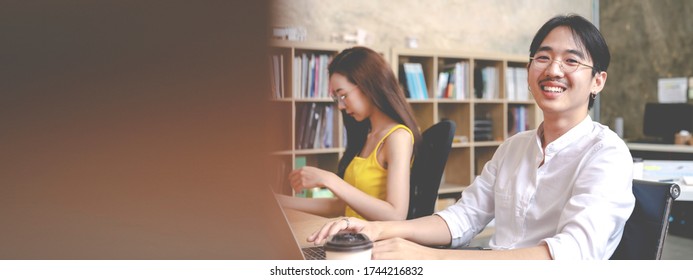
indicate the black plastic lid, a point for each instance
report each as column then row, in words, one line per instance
column 348, row 242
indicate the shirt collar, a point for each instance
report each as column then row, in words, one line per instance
column 581, row 129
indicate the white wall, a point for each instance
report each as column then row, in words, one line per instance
column 484, row 25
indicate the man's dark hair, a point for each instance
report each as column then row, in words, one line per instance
column 586, row 35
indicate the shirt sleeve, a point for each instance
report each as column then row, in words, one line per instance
column 591, row 224
column 475, row 209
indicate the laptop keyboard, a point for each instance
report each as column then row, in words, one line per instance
column 314, row 253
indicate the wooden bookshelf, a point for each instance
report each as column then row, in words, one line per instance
column 467, row 156
column 298, row 103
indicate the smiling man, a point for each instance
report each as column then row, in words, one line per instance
column 562, row 191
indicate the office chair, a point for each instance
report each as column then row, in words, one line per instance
column 643, row 236
column 428, row 168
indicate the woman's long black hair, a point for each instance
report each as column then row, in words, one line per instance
column 368, row 70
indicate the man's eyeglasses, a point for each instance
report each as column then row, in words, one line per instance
column 567, row 66
column 339, row 98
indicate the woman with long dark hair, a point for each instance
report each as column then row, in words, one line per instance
column 372, row 181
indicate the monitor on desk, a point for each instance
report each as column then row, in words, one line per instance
column 663, row 120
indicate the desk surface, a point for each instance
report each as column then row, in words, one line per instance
column 669, row 148
column 659, row 170
column 304, row 224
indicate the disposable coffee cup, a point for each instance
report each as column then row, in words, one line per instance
column 348, row 246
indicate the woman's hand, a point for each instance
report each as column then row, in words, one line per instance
column 370, row 229
column 309, row 177
column 402, row 249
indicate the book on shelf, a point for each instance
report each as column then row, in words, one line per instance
column 273, row 83
column 316, row 86
column 450, row 87
column 443, row 84
column 521, row 86
column 311, row 75
column 516, row 84
column 478, row 83
column 412, row 92
column 510, row 84
column 301, row 120
column 300, row 161
column 276, row 64
column 304, row 76
column 315, row 126
column 329, row 127
column 403, row 81
column 423, row 89
column 456, row 81
column 317, row 75
column 280, row 68
column 322, row 133
column 307, row 124
column 309, row 130
column 296, row 75
column 325, row 84
column 416, row 82
column 517, row 119
column 461, row 69
column 486, row 83
column 483, row 130
column 490, row 82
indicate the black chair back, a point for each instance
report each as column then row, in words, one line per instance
column 645, row 230
column 428, row 168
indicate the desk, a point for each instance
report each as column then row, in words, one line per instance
column 660, row 151
column 657, row 170
column 304, row 224
column 665, row 148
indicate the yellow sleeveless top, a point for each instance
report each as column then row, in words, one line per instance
column 367, row 175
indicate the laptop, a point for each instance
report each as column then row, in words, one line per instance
column 272, row 235
column 300, row 231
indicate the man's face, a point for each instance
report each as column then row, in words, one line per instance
column 562, row 91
